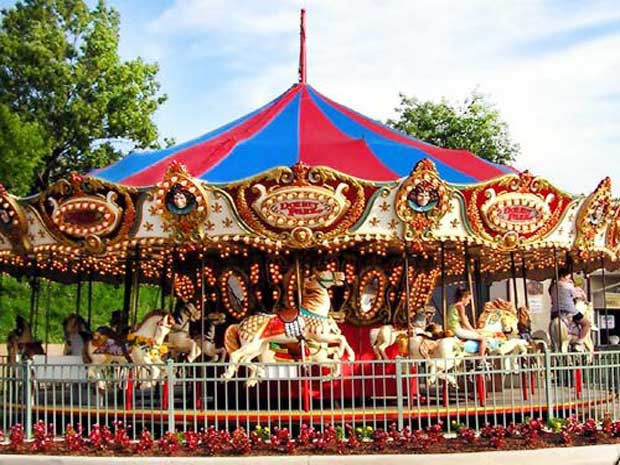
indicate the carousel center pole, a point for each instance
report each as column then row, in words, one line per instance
column 444, row 301
column 604, row 283
column 513, row 271
column 557, row 294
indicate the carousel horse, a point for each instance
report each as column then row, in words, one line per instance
column 251, row 338
column 144, row 347
column 76, row 332
column 209, row 349
column 427, row 342
column 568, row 331
column 384, row 336
column 500, row 324
column 179, row 340
column 21, row 343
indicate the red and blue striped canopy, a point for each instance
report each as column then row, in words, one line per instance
column 301, row 125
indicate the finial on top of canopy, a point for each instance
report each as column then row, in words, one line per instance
column 302, row 48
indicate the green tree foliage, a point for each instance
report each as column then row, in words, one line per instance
column 22, row 148
column 60, row 70
column 475, row 125
column 57, row 301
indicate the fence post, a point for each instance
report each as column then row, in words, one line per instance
column 399, row 391
column 170, row 393
column 548, row 399
column 28, row 398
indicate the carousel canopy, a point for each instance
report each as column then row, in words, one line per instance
column 301, row 125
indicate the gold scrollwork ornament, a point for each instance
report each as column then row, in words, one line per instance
column 422, row 200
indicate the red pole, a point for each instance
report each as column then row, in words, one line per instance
column 302, row 48
column 164, row 394
column 524, row 384
column 481, row 388
column 129, row 392
column 578, row 382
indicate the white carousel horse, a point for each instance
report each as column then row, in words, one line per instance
column 144, row 347
column 383, row 337
column 568, row 331
column 179, row 340
column 75, row 329
column 251, row 338
column 500, row 323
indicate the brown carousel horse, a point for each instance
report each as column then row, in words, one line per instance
column 251, row 338
column 21, row 342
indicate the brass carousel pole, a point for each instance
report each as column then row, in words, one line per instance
column 513, row 271
column 78, row 297
column 202, row 298
column 162, row 285
column 604, row 283
column 299, row 301
column 407, row 297
column 33, row 296
column 136, row 286
column 47, row 317
column 90, row 298
column 127, row 294
column 470, row 286
column 524, row 271
column 444, row 300
column 173, row 278
column 557, row 292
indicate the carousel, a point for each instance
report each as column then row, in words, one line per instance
column 298, row 250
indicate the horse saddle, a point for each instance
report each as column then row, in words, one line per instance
column 427, row 347
column 288, row 315
column 111, row 347
column 293, row 322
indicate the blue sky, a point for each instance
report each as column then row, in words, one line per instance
column 552, row 67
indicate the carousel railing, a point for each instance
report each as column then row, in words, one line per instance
column 368, row 394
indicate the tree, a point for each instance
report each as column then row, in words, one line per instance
column 475, row 125
column 22, row 148
column 60, row 70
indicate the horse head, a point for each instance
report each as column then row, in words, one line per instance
column 193, row 312
column 524, row 319
column 186, row 309
column 163, row 327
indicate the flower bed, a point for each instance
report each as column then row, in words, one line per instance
column 115, row 441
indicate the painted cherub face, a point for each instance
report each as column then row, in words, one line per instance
column 4, row 216
column 423, row 197
column 180, row 200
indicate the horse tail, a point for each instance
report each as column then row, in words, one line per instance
column 231, row 339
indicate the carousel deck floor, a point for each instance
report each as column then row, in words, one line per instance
column 507, row 403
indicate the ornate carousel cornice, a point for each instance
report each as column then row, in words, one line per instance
column 84, row 222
